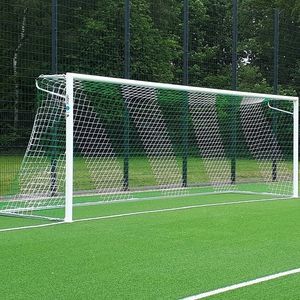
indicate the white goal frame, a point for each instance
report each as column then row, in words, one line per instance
column 71, row 77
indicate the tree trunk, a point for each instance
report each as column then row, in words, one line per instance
column 15, row 68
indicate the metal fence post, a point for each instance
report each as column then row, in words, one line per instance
column 127, row 76
column 275, row 81
column 185, row 98
column 53, row 181
column 234, row 86
column 54, row 37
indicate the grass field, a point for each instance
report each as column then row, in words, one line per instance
column 166, row 248
column 166, row 254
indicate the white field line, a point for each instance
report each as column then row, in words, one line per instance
column 242, row 284
column 31, row 226
column 175, row 209
column 145, row 212
column 108, row 202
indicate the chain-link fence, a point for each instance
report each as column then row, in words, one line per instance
column 174, row 41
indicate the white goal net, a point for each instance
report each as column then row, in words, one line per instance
column 117, row 140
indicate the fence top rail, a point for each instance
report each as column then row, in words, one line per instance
column 174, row 87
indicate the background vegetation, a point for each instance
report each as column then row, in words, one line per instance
column 90, row 39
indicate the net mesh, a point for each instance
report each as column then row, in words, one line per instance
column 144, row 109
column 264, row 146
column 205, row 121
column 41, row 181
column 130, row 139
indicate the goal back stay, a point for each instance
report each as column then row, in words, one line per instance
column 97, row 139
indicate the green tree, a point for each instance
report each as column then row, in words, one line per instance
column 210, row 42
column 155, row 48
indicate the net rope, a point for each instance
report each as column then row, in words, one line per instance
column 130, row 138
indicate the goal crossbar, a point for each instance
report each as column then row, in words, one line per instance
column 167, row 86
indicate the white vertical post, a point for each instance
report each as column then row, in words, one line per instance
column 295, row 150
column 69, row 149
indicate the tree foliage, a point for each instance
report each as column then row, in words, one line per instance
column 91, row 40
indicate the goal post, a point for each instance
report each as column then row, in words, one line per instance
column 119, row 140
column 69, row 147
column 296, row 148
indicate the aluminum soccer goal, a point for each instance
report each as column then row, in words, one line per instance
column 117, row 139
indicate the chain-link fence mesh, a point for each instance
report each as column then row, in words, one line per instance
column 140, row 39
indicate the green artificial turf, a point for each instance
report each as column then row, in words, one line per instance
column 163, row 255
column 158, row 255
column 89, row 206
